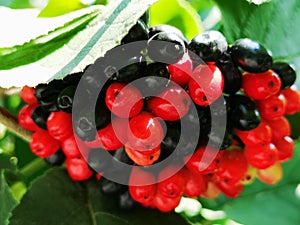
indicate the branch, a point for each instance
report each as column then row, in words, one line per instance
column 11, row 122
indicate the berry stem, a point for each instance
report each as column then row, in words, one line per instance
column 34, row 167
column 11, row 122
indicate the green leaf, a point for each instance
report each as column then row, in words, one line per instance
column 262, row 204
column 274, row 24
column 55, row 199
column 71, row 47
column 58, row 7
column 7, row 201
column 178, row 13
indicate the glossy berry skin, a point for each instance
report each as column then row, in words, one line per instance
column 59, row 125
column 231, row 191
column 285, row 147
column 27, row 95
column 56, row 159
column 261, row 156
column 259, row 135
column 292, row 97
column 142, row 159
column 271, row 175
column 144, row 133
column 24, row 118
column 143, row 194
column 198, row 164
column 195, row 184
column 166, row 47
column 280, row 128
column 43, row 145
column 206, row 84
column 243, row 112
column 170, row 186
column 231, row 74
column 167, row 29
column 208, row 45
column 78, row 169
column 138, row 32
column 232, row 167
column 40, row 115
column 70, row 147
column 110, row 139
column 273, row 107
column 260, row 86
column 155, row 79
column 165, row 204
column 109, row 187
column 123, row 101
column 251, row 56
column 65, row 99
column 286, row 73
column 181, row 71
column 171, row 105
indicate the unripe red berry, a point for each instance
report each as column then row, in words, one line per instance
column 261, row 86
column 280, row 128
column 70, row 148
column 59, row 125
column 124, row 101
column 43, row 145
column 231, row 191
column 195, row 184
column 27, row 95
column 273, row 107
column 285, row 147
column 292, row 97
column 165, row 204
column 142, row 159
column 206, row 84
column 24, row 118
column 78, row 169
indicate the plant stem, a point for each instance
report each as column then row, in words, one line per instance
column 11, row 122
column 34, row 167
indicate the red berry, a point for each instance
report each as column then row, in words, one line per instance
column 232, row 167
column 27, row 95
column 142, row 193
column 261, row 86
column 280, row 128
column 261, row 156
column 145, row 133
column 43, row 145
column 181, row 71
column 172, row 104
column 285, row 147
column 292, row 97
column 231, row 191
column 24, row 118
column 143, row 159
column 203, row 161
column 195, row 184
column 272, row 108
column 78, row 169
column 113, row 137
column 70, row 148
column 165, row 204
column 173, row 186
column 59, row 125
column 259, row 135
column 206, row 84
column 124, row 100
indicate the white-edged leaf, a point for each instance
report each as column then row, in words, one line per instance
column 80, row 44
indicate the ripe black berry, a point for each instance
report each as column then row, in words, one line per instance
column 39, row 116
column 126, row 202
column 251, row 56
column 243, row 112
column 232, row 75
column 166, row 47
column 138, row 32
column 286, row 73
column 208, row 45
column 65, row 99
column 56, row 159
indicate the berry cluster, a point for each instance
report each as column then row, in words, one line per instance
column 142, row 123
